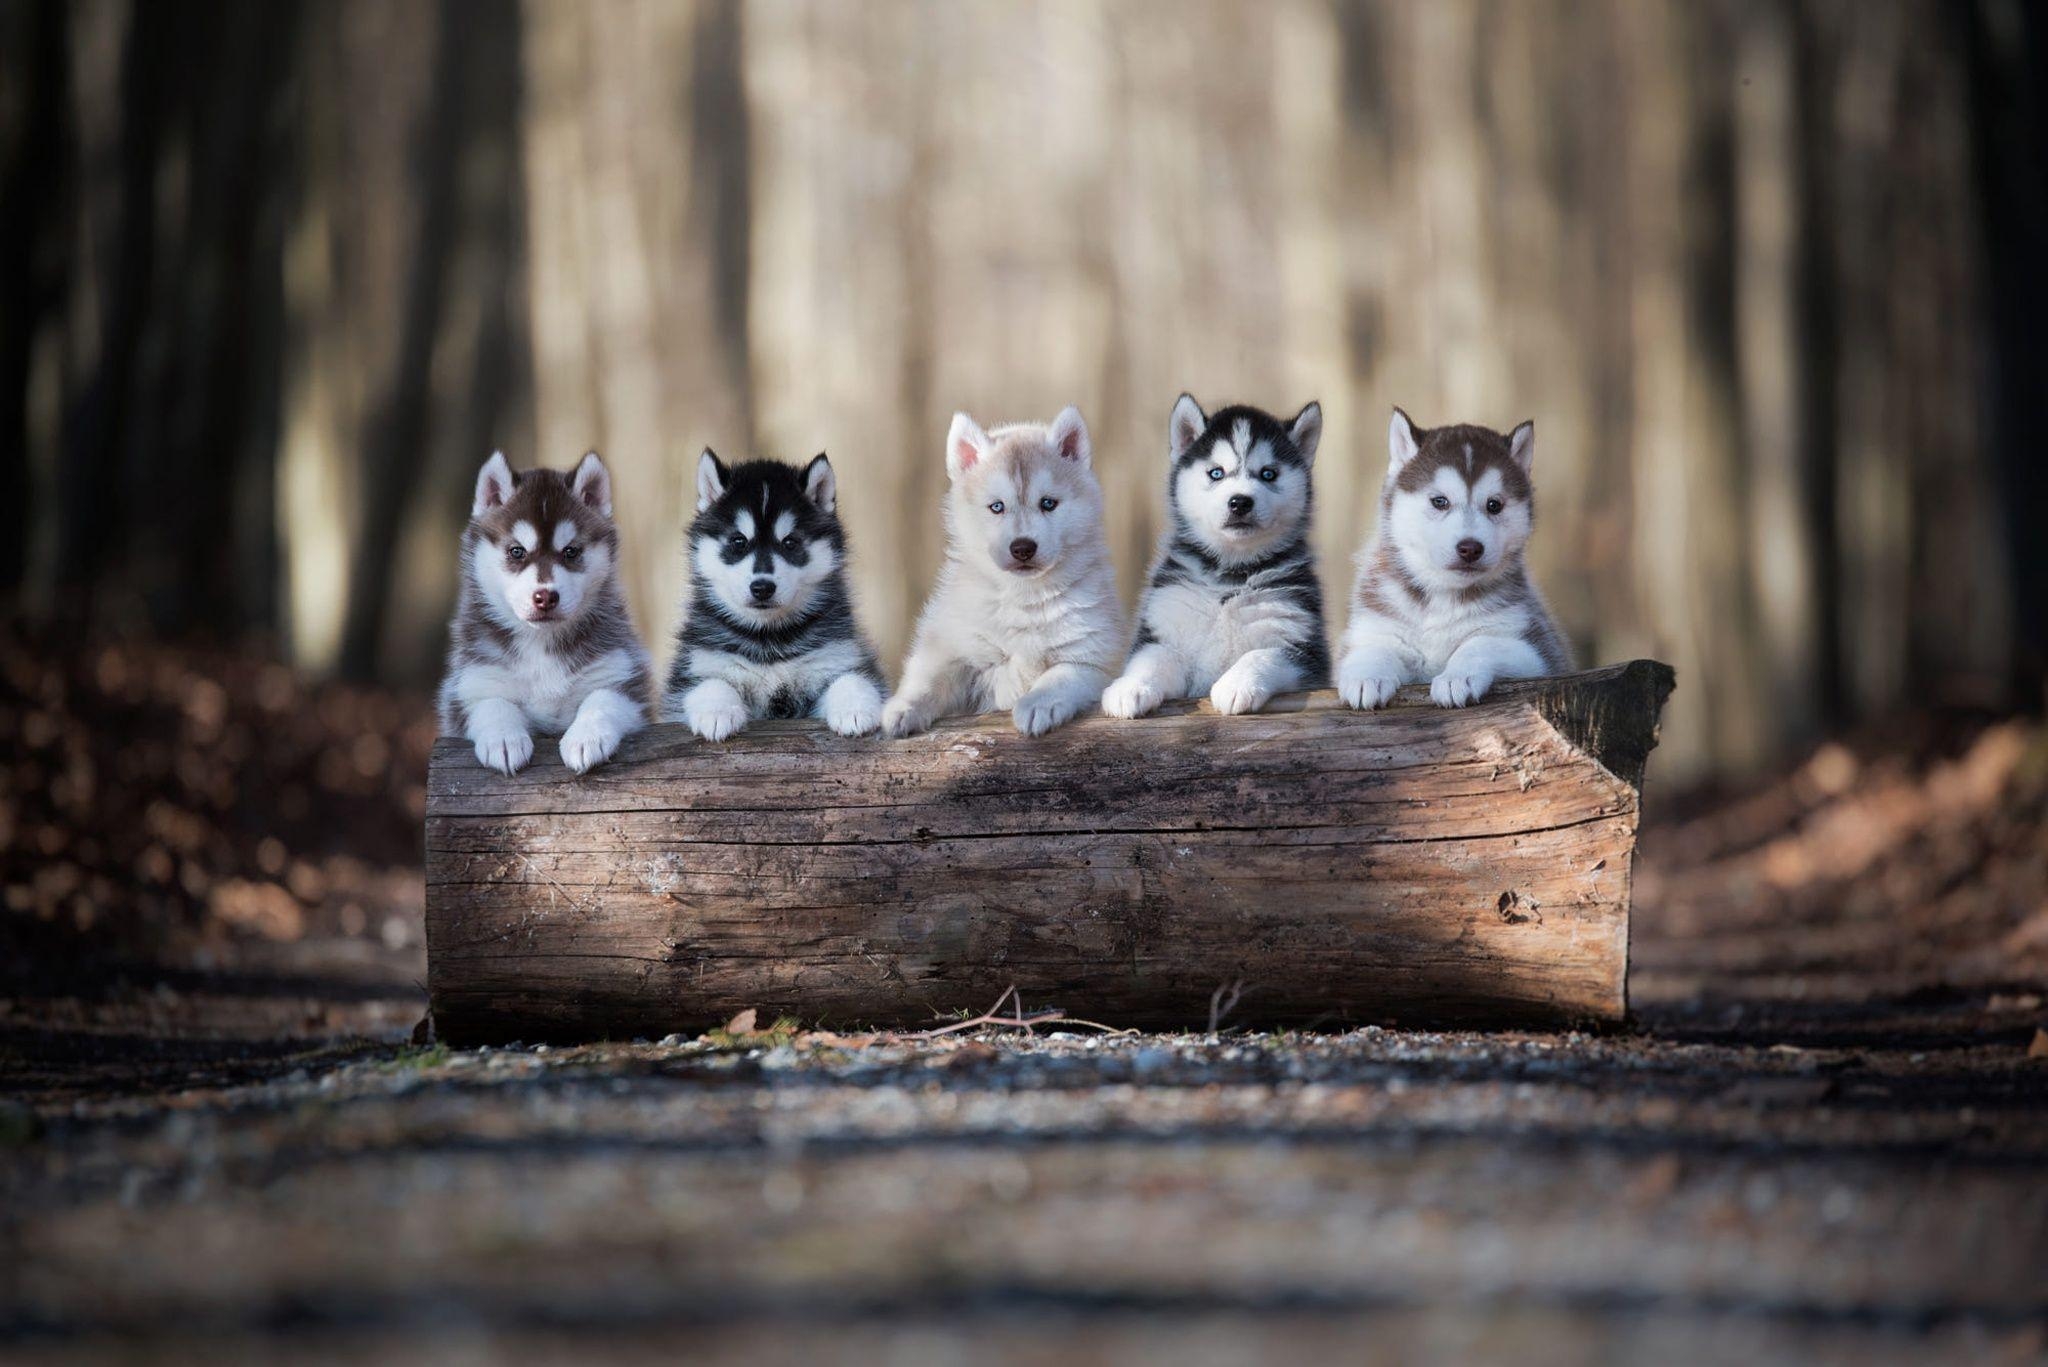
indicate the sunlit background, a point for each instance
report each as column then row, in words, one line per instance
column 279, row 275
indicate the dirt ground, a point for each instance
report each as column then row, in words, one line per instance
column 1824, row 1138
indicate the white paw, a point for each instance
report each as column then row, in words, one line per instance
column 1456, row 690
column 716, row 721
column 856, row 717
column 1236, row 694
column 904, row 718
column 588, row 743
column 505, row 749
column 1130, row 696
column 1361, row 689
column 1036, row 714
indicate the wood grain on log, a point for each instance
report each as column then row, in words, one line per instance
column 1414, row 865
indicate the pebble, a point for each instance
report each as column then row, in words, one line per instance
column 672, row 1041
column 1148, row 1061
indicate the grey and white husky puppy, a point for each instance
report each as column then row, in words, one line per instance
column 1443, row 593
column 541, row 639
column 1234, row 608
column 768, row 628
column 1025, row 614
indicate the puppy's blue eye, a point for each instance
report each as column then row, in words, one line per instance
column 1215, row 472
column 1439, row 502
column 572, row 554
column 515, row 552
column 1494, row 505
column 735, row 540
column 1046, row 505
column 1269, row 474
column 790, row 542
column 996, row 507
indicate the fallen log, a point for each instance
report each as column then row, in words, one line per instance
column 1415, row 865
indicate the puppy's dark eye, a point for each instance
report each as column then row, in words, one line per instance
column 790, row 543
column 735, row 540
column 571, row 554
column 1047, row 504
column 515, row 552
column 1439, row 502
column 996, row 507
column 1215, row 472
column 1269, row 474
column 1494, row 505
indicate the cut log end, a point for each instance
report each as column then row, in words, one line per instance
column 1417, row 864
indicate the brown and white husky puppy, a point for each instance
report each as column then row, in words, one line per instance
column 1443, row 594
column 541, row 639
column 1025, row 615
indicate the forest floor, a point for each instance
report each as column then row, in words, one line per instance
column 1824, row 1137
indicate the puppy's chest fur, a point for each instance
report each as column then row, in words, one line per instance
column 1007, row 639
column 1211, row 622
column 1433, row 628
column 548, row 684
column 776, row 685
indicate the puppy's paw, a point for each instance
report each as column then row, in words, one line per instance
column 1038, row 713
column 1454, row 688
column 903, row 717
column 1238, row 692
column 854, row 716
column 1131, row 696
column 1363, row 689
column 588, row 743
column 716, row 721
column 506, row 749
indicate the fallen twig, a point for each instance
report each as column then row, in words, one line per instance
column 1220, row 1005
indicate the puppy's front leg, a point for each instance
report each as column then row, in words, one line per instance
column 931, row 686
column 714, row 709
column 1475, row 665
column 1156, row 672
column 1056, row 695
column 1250, row 683
column 1372, row 669
column 606, row 717
column 498, row 730
column 851, row 705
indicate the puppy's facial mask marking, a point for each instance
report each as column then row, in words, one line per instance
column 1459, row 504
column 1022, row 496
column 765, row 539
column 1241, row 482
column 544, row 542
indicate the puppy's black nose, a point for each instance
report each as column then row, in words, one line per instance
column 1022, row 549
column 762, row 589
column 1470, row 550
column 1240, row 504
column 546, row 599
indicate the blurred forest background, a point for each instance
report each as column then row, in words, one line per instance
column 276, row 275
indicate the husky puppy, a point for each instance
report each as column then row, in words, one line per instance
column 1443, row 593
column 1234, row 608
column 768, row 629
column 541, row 638
column 1025, row 613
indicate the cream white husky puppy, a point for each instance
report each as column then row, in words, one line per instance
column 1444, row 593
column 1025, row 614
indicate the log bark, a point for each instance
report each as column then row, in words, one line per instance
column 1415, row 865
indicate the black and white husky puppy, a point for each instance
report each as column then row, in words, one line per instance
column 1444, row 593
column 768, row 629
column 541, row 639
column 1234, row 609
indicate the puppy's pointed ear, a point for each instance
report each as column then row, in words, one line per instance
column 821, row 487
column 712, row 477
column 1402, row 441
column 493, row 485
column 1522, row 445
column 1184, row 426
column 592, row 483
column 966, row 443
column 1306, row 431
column 1070, row 436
